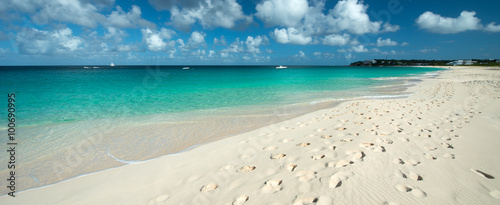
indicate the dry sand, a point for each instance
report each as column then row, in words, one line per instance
column 439, row 146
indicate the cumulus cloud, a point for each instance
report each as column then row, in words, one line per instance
column 209, row 13
column 350, row 15
column 467, row 20
column 386, row 42
column 300, row 55
column 389, row 28
column 492, row 27
column 250, row 45
column 131, row 19
column 196, row 40
column 71, row 11
column 221, row 41
column 309, row 24
column 87, row 13
column 282, row 12
column 337, row 40
column 253, row 44
column 154, row 40
column 359, row 49
column 291, row 35
column 34, row 41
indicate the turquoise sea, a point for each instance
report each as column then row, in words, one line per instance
column 74, row 120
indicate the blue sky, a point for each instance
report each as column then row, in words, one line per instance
column 264, row 32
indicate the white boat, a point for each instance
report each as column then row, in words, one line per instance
column 281, row 67
column 112, row 64
column 186, row 68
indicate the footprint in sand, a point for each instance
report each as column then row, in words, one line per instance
column 270, row 148
column 356, row 154
column 277, row 156
column 402, row 188
column 208, row 188
column 346, row 140
column 480, row 173
column 341, row 163
column 240, row 200
column 449, row 156
column 246, row 169
column 446, row 145
column 415, row 176
column 326, row 136
column 306, row 175
column 366, row 144
column 336, row 179
column 429, row 156
column 418, row 193
column 320, row 130
column 271, row 186
column 399, row 173
column 304, row 144
column 398, row 161
column 291, row 167
column 306, row 200
column 413, row 162
column 316, row 157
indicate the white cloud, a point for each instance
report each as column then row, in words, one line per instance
column 405, row 44
column 311, row 23
column 492, row 27
column 211, row 53
column 282, row 12
column 389, row 28
column 349, row 56
column 72, row 11
column 220, row 42
column 337, row 40
column 209, row 13
column 114, row 34
column 386, row 42
column 155, row 39
column 235, row 47
column 447, row 25
column 290, row 35
column 300, row 55
column 131, row 19
column 34, row 41
column 253, row 44
column 359, row 49
column 196, row 40
column 316, row 53
column 350, row 15
column 428, row 50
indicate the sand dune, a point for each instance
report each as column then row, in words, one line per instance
column 439, row 146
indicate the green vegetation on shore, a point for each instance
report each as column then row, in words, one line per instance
column 415, row 62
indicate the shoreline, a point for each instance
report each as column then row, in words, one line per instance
column 92, row 153
column 333, row 154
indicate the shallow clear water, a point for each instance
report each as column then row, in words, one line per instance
column 62, row 94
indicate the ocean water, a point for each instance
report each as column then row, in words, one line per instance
column 73, row 120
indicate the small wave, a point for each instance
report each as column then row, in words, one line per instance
column 122, row 161
column 361, row 98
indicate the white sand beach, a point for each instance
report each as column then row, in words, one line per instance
column 439, row 146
